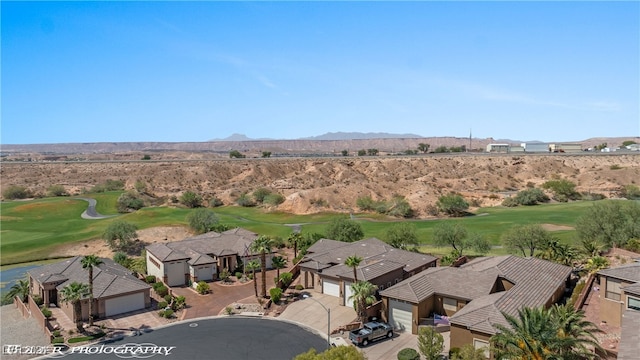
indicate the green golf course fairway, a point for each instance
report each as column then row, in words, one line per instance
column 31, row 229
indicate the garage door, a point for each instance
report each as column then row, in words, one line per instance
column 175, row 273
column 347, row 295
column 123, row 304
column 331, row 287
column 204, row 273
column 400, row 315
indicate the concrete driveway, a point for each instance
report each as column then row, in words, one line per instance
column 311, row 314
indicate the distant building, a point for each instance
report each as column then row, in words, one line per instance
column 566, row 148
column 536, row 147
column 499, row 148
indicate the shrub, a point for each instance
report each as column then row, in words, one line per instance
column 121, row 259
column 563, row 190
column 202, row 220
column 228, row 310
column 56, row 333
column 162, row 290
column 245, row 201
column 531, row 197
column 510, row 202
column 215, row 202
column 615, row 167
column 276, row 294
column 46, row 312
column 239, row 275
column 191, row 199
column 631, row 192
column 57, row 340
column 260, row 193
column 179, row 303
column 57, row 190
column 274, row 199
column 150, row 279
column 452, row 205
column 299, row 287
column 202, row 288
column 286, row 278
column 168, row 298
column 162, row 305
column 225, row 275
column 16, row 192
column 168, row 313
column 129, row 201
column 38, row 299
column 109, row 185
column 156, row 285
column 408, row 354
column 236, row 154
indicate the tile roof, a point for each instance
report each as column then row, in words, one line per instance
column 447, row 281
column 632, row 289
column 109, row 278
column 535, row 281
column 378, row 258
column 628, row 272
column 236, row 241
column 629, row 347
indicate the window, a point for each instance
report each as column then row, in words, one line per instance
column 613, row 289
column 633, row 303
column 154, row 262
column 481, row 344
column 449, row 304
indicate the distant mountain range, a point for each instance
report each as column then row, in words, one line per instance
column 331, row 136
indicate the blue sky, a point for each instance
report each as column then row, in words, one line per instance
column 195, row 71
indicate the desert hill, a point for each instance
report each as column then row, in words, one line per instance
column 335, row 183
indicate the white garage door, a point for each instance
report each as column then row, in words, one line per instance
column 400, row 315
column 175, row 273
column 204, row 273
column 347, row 295
column 331, row 287
column 123, row 304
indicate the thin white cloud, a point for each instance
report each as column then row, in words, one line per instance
column 266, row 82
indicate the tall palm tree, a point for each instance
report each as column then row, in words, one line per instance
column 539, row 334
column 88, row 262
column 262, row 245
column 571, row 323
column 252, row 266
column 74, row 293
column 19, row 289
column 294, row 239
column 362, row 294
column 353, row 262
column 278, row 262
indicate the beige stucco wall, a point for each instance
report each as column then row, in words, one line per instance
column 461, row 336
column 611, row 310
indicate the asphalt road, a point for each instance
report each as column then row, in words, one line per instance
column 222, row 338
column 91, row 212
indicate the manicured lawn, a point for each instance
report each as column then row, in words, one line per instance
column 31, row 229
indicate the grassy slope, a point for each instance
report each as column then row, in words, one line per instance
column 31, row 229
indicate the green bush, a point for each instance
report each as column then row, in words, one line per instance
column 452, row 205
column 168, row 313
column 286, row 278
column 531, row 197
column 46, row 312
column 168, row 298
column 408, row 354
column 150, row 279
column 563, row 190
column 631, row 192
column 191, row 199
column 162, row 290
column 178, row 303
column 57, row 340
column 14, row 192
column 55, row 333
column 299, row 287
column 510, row 202
column 129, row 201
column 162, row 305
column 245, row 201
column 260, row 193
column 215, row 202
column 109, row 185
column 202, row 288
column 273, row 199
column 276, row 294
column 57, row 190
column 38, row 299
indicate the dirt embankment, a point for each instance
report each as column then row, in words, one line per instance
column 334, row 184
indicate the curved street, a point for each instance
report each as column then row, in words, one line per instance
column 228, row 337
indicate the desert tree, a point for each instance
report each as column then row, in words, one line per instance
column 526, row 238
column 423, row 147
column 610, row 222
column 430, row 343
column 401, row 235
column 453, row 205
column 119, row 235
column 456, row 236
column 343, row 229
column 202, row 220
column 191, row 199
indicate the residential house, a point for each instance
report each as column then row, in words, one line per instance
column 115, row 289
column 201, row 257
column 621, row 289
column 323, row 267
column 475, row 295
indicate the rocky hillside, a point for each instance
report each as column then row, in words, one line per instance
column 334, row 184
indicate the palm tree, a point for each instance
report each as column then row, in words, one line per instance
column 19, row 289
column 73, row 293
column 362, row 294
column 571, row 323
column 88, row 262
column 294, row 239
column 353, row 262
column 539, row 333
column 278, row 262
column 262, row 245
column 252, row 266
